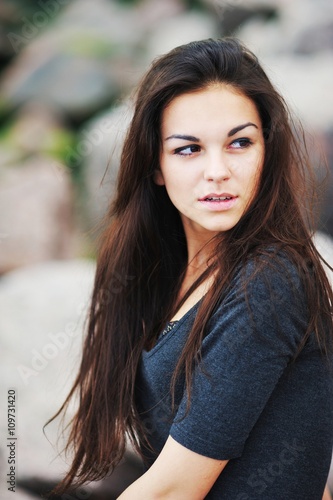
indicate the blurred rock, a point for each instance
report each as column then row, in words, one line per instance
column 84, row 58
column 232, row 17
column 36, row 213
column 285, row 33
column 292, row 17
column 179, row 30
column 101, row 141
column 37, row 128
column 42, row 314
column 314, row 16
column 231, row 14
column 324, row 245
column 42, row 310
column 11, row 13
column 305, row 81
column 152, row 12
column 315, row 39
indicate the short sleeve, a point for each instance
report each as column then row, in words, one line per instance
column 252, row 337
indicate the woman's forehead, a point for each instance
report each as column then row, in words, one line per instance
column 220, row 106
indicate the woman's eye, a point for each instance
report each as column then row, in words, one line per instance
column 187, row 150
column 241, row 143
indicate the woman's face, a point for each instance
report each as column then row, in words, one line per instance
column 211, row 158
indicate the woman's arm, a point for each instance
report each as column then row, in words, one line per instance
column 327, row 494
column 176, row 473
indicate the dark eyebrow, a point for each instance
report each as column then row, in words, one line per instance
column 192, row 138
column 234, row 131
column 183, row 137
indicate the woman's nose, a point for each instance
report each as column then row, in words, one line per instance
column 216, row 168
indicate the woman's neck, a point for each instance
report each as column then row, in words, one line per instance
column 199, row 255
column 199, row 259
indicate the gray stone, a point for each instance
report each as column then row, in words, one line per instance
column 37, row 128
column 305, row 82
column 42, row 312
column 36, row 213
column 99, row 148
column 78, row 61
column 178, row 30
column 152, row 12
column 315, row 39
column 324, row 245
column 43, row 309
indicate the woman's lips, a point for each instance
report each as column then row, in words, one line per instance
column 219, row 202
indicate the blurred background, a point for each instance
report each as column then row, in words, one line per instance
column 67, row 69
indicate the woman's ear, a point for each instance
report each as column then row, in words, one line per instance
column 158, row 177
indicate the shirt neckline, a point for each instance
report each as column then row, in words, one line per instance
column 161, row 339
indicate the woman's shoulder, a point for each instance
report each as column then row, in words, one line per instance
column 265, row 302
column 272, row 264
column 269, row 281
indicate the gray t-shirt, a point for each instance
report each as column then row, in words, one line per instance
column 272, row 417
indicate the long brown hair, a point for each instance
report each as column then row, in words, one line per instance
column 143, row 253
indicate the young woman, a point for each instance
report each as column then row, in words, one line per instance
column 213, row 352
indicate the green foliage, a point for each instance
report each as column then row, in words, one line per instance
column 190, row 4
column 128, row 2
column 194, row 4
column 90, row 46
